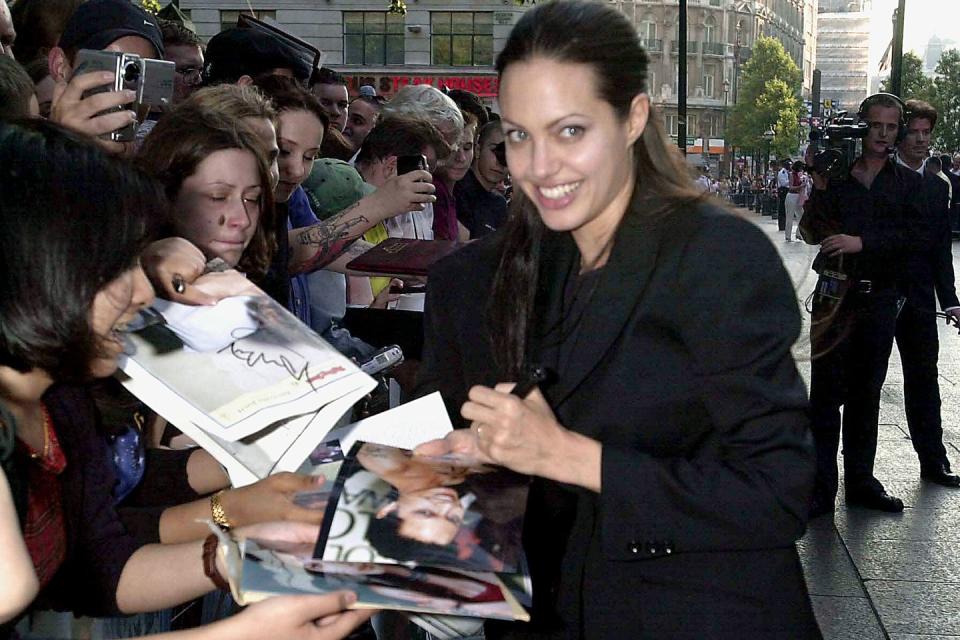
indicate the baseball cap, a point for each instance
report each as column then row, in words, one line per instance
column 97, row 23
column 334, row 185
column 249, row 52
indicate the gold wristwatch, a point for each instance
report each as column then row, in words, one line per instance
column 219, row 515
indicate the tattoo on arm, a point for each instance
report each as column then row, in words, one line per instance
column 330, row 239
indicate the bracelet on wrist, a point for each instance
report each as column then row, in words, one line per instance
column 219, row 515
column 210, row 562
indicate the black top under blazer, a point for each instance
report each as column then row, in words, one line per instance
column 682, row 370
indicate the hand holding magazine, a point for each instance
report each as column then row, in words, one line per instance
column 244, row 379
column 430, row 536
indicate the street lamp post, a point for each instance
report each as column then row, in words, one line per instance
column 736, row 63
column 768, row 135
column 724, row 161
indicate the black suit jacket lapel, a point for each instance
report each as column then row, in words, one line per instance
column 619, row 290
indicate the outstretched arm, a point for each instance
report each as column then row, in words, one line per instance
column 19, row 585
column 318, row 245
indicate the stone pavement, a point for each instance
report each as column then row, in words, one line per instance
column 875, row 575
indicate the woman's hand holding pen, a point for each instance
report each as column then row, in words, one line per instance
column 521, row 434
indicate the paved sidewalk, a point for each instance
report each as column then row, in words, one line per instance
column 877, row 575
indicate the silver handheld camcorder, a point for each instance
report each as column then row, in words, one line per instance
column 151, row 80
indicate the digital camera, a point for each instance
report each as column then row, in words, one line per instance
column 151, row 80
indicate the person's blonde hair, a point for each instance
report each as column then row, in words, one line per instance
column 233, row 101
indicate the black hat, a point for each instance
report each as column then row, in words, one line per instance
column 97, row 23
column 249, row 52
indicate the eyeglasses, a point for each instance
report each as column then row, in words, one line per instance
column 191, row 75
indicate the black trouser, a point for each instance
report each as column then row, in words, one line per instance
column 849, row 366
column 782, row 208
column 919, row 347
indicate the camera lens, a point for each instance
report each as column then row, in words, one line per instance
column 131, row 72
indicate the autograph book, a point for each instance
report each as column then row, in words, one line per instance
column 403, row 256
column 245, row 379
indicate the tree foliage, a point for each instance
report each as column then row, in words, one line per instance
column 768, row 95
column 947, row 101
column 913, row 83
column 942, row 91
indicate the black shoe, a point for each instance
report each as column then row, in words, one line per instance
column 874, row 499
column 941, row 475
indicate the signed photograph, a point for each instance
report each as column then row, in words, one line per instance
column 389, row 506
column 275, row 571
column 244, row 363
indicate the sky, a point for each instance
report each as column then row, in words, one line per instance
column 924, row 18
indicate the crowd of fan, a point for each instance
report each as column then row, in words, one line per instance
column 270, row 166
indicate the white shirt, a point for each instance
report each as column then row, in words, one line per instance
column 414, row 224
column 902, row 163
column 783, row 179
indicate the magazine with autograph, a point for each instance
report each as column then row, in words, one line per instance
column 472, row 567
column 264, row 569
column 244, row 378
column 389, row 506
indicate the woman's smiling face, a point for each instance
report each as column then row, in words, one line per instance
column 567, row 149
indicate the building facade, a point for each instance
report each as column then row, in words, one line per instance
column 453, row 43
column 446, row 43
column 843, row 52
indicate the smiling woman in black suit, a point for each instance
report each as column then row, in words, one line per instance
column 672, row 454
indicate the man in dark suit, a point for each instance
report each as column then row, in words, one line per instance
column 946, row 168
column 929, row 269
column 862, row 223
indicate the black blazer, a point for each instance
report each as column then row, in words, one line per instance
column 929, row 266
column 682, row 369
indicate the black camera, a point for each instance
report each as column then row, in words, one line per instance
column 411, row 162
column 837, row 144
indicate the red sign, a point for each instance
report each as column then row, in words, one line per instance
column 387, row 85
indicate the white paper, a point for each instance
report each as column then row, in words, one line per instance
column 405, row 426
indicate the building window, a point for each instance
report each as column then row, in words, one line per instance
column 672, row 124
column 708, row 82
column 228, row 19
column 693, row 126
column 714, row 3
column 709, row 127
column 710, row 30
column 648, row 29
column 372, row 37
column 652, row 88
column 462, row 38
